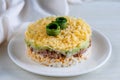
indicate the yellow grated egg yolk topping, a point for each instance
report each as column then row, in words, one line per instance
column 73, row 36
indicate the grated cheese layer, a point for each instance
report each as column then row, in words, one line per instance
column 76, row 33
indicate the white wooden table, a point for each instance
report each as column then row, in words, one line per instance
column 104, row 16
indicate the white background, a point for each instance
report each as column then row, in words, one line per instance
column 103, row 15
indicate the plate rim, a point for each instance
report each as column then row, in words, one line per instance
column 59, row 75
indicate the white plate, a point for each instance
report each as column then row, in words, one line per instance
column 101, row 51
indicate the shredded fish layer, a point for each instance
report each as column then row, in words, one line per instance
column 62, row 62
